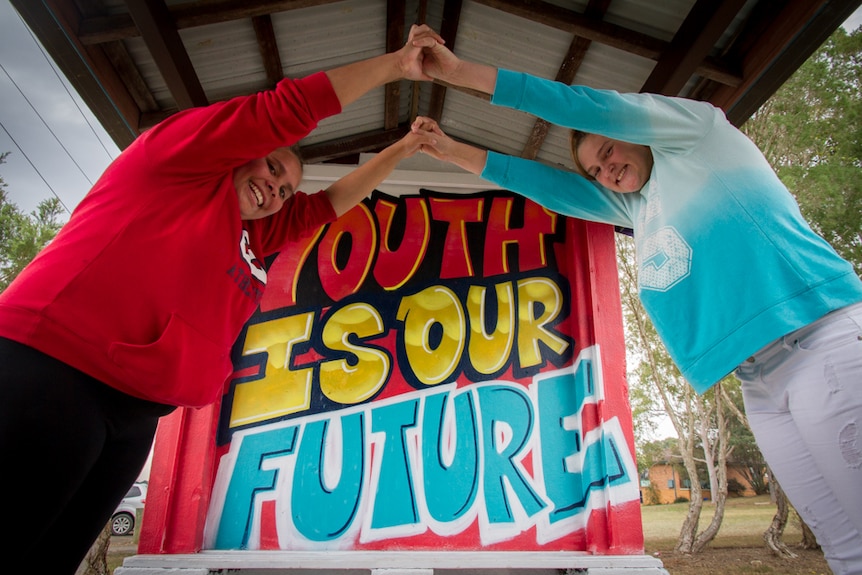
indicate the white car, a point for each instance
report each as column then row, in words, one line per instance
column 123, row 519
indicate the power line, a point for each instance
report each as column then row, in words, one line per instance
column 62, row 83
column 74, row 161
column 35, row 168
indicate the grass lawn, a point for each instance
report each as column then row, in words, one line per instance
column 745, row 520
column 738, row 548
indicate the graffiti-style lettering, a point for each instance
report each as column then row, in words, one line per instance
column 540, row 301
column 507, row 417
column 489, row 352
column 450, row 460
column 500, row 236
column 283, row 390
column 345, row 253
column 327, row 478
column 409, row 382
column 350, row 381
column 397, row 265
column 457, row 213
column 250, row 477
column 439, row 462
column 434, row 328
column 362, row 244
column 394, row 497
column 583, row 464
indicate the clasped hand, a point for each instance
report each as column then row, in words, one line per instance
column 439, row 147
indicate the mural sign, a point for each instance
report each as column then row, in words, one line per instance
column 424, row 374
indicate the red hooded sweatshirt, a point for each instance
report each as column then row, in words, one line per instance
column 148, row 285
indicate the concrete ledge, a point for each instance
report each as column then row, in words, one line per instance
column 389, row 563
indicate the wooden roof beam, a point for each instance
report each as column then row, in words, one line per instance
column 769, row 62
column 268, row 46
column 340, row 147
column 163, row 41
column 127, row 70
column 702, row 28
column 415, row 86
column 89, row 68
column 566, row 74
column 449, row 32
column 606, row 33
column 395, row 14
column 200, row 13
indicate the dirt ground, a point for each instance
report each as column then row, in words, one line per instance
column 120, row 548
column 741, row 561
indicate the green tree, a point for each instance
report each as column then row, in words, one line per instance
column 810, row 131
column 22, row 236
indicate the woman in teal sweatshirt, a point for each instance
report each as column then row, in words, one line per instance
column 730, row 273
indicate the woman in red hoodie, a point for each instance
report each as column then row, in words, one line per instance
column 132, row 310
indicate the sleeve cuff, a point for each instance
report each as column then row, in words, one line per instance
column 509, row 89
column 496, row 168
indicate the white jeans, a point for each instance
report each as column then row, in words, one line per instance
column 803, row 398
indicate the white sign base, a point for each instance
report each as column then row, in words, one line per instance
column 389, row 563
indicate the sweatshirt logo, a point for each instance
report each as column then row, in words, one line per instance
column 665, row 260
column 255, row 266
column 251, row 278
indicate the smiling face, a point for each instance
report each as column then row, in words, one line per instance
column 619, row 166
column 264, row 184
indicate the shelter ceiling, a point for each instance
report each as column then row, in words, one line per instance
column 136, row 62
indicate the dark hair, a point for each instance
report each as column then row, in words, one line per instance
column 297, row 151
column 576, row 137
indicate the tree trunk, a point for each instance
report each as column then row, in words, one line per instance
column 809, row 541
column 96, row 561
column 719, row 482
column 710, row 448
column 772, row 536
column 689, row 526
column 692, row 519
column 708, row 534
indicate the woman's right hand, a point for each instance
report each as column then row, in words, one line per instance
column 444, row 148
column 440, row 63
column 442, row 144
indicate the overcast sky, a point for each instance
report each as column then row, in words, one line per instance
column 57, row 146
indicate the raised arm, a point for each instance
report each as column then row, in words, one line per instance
column 352, row 81
column 441, row 64
column 348, row 191
column 560, row 190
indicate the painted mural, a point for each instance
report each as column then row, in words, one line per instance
column 420, row 375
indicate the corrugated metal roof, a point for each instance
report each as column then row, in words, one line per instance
column 325, row 37
column 533, row 36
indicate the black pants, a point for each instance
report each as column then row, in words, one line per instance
column 70, row 448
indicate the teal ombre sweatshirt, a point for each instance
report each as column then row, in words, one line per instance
column 726, row 262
